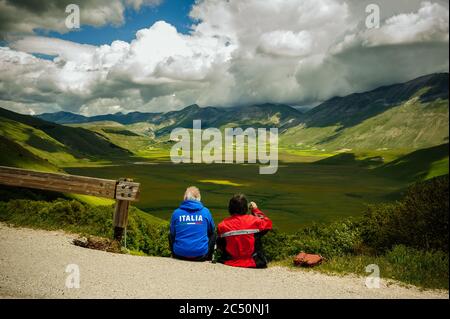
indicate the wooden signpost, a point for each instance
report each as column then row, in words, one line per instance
column 123, row 190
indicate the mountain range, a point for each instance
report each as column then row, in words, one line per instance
column 405, row 115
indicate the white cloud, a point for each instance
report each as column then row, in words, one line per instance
column 137, row 4
column 429, row 24
column 101, row 106
column 66, row 50
column 287, row 43
column 239, row 52
column 23, row 17
column 405, row 46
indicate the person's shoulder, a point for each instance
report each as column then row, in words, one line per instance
column 227, row 219
column 251, row 217
column 177, row 211
column 222, row 224
column 206, row 210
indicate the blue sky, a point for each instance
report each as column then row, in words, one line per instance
column 174, row 12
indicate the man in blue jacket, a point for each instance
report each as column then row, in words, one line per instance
column 192, row 235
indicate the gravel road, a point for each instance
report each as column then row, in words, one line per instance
column 33, row 265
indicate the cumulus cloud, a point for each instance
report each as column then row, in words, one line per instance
column 238, row 52
column 428, row 24
column 286, row 43
column 65, row 50
column 405, row 46
column 137, row 4
column 24, row 16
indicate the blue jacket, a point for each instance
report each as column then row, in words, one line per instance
column 190, row 228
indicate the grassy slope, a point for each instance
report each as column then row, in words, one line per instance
column 412, row 124
column 13, row 154
column 36, row 142
column 80, row 143
column 122, row 136
column 418, row 165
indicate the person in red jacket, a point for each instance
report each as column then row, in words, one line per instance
column 239, row 236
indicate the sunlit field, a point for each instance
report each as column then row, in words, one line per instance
column 298, row 194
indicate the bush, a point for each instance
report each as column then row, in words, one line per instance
column 427, row 269
column 418, row 262
column 143, row 232
column 418, row 267
column 334, row 239
column 277, row 245
column 420, row 220
column 329, row 240
column 407, row 239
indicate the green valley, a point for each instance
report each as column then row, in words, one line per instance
column 335, row 159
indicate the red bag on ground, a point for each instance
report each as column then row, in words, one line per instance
column 307, row 260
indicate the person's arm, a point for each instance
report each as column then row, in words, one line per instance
column 211, row 225
column 172, row 228
column 264, row 223
column 221, row 244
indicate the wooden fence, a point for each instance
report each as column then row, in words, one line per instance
column 123, row 190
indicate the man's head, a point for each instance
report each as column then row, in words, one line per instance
column 192, row 193
column 238, row 205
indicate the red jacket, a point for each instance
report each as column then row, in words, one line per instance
column 240, row 239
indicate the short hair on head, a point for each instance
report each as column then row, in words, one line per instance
column 192, row 193
column 238, row 205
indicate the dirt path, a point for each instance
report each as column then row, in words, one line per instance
column 33, row 264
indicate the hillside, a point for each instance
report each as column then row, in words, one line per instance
column 31, row 140
column 355, row 108
column 398, row 118
column 421, row 164
column 409, row 115
column 13, row 154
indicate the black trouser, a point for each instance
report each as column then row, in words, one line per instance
column 258, row 254
column 207, row 256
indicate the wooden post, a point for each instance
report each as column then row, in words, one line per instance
column 120, row 218
column 125, row 189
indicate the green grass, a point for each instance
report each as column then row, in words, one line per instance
column 299, row 194
column 13, row 154
column 402, row 264
column 145, row 233
column 91, row 200
column 412, row 124
column 36, row 142
column 63, row 142
column 418, row 165
column 121, row 135
column 219, row 182
column 303, row 191
column 407, row 240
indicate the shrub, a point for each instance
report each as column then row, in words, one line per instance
column 277, row 245
column 420, row 220
column 426, row 268
column 329, row 240
column 143, row 232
